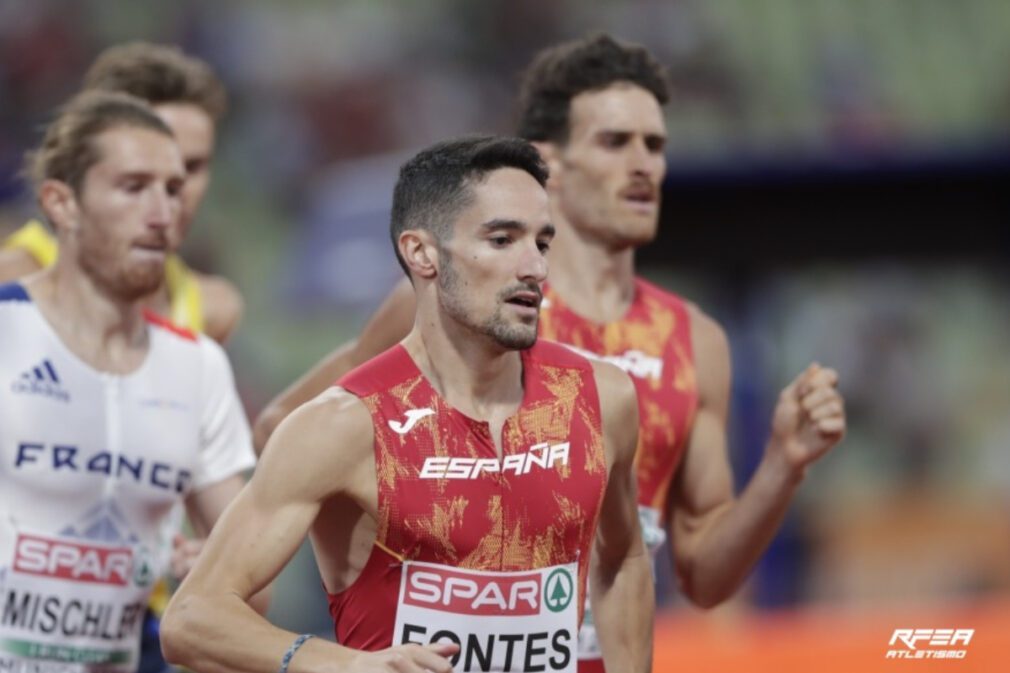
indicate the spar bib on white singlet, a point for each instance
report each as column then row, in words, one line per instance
column 93, row 470
column 502, row 621
column 70, row 603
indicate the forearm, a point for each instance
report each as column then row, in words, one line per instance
column 623, row 603
column 725, row 549
column 220, row 633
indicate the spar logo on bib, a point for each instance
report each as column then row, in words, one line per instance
column 64, row 559
column 558, row 590
column 98, row 549
column 473, row 594
column 502, row 621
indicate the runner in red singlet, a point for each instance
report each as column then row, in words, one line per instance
column 444, row 497
column 652, row 343
column 593, row 108
column 465, row 489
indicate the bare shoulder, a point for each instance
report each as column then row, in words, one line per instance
column 324, row 446
column 706, row 332
column 16, row 262
column 618, row 408
column 222, row 305
column 616, row 390
column 711, row 349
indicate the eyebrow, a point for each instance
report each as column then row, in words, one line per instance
column 148, row 176
column 515, row 225
column 629, row 132
column 134, row 174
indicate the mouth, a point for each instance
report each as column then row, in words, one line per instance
column 151, row 248
column 527, row 302
column 640, row 198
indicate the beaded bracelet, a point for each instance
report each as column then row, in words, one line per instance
column 299, row 641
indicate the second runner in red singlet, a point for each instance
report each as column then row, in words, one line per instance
column 652, row 343
column 489, row 553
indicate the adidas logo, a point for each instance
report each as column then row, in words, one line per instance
column 41, row 380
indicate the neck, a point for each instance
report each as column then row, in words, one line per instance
column 106, row 331
column 595, row 279
column 469, row 371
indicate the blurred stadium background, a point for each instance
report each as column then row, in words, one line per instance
column 838, row 191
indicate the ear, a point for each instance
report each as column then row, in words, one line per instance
column 59, row 203
column 419, row 251
column 551, row 154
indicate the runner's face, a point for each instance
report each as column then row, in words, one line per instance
column 608, row 174
column 128, row 204
column 491, row 269
column 194, row 131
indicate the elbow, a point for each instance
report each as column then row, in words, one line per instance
column 265, row 424
column 708, row 595
column 703, row 594
column 176, row 630
column 705, row 600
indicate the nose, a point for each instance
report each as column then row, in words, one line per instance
column 643, row 161
column 533, row 266
column 165, row 209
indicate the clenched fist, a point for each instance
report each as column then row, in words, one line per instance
column 809, row 418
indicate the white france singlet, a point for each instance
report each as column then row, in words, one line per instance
column 93, row 467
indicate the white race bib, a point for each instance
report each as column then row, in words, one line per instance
column 72, row 605
column 502, row 621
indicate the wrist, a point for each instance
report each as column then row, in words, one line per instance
column 777, row 465
column 296, row 645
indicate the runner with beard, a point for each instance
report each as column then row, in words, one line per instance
column 593, row 107
column 461, row 489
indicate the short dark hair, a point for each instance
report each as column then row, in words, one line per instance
column 158, row 74
column 560, row 73
column 68, row 148
column 436, row 183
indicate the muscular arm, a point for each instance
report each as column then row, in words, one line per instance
column 15, row 263
column 204, row 508
column 222, row 307
column 621, row 587
column 209, row 625
column 387, row 326
column 717, row 537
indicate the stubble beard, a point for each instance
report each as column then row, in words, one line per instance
column 124, row 281
column 496, row 327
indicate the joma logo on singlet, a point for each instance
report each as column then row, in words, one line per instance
column 544, row 456
column 634, row 362
column 413, row 416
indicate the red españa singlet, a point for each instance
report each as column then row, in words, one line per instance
column 652, row 343
column 436, row 505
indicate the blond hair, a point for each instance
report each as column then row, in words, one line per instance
column 158, row 74
column 68, row 150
